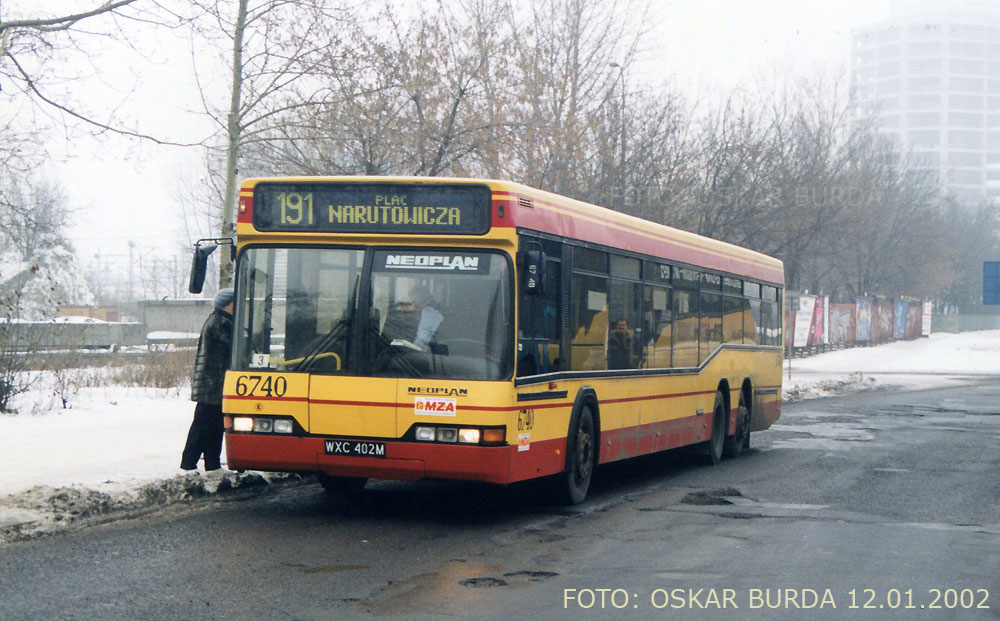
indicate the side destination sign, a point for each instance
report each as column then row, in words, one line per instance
column 372, row 208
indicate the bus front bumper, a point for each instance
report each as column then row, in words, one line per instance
column 403, row 461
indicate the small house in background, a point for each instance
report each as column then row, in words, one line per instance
column 173, row 321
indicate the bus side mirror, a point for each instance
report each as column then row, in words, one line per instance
column 199, row 265
column 532, row 272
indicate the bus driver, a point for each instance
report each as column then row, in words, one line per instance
column 430, row 317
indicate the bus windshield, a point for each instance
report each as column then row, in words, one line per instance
column 442, row 313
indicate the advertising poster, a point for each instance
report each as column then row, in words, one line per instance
column 925, row 323
column 820, row 321
column 842, row 323
column 899, row 319
column 864, row 325
column 803, row 320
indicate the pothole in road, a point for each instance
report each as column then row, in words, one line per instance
column 482, row 583
column 485, row 582
column 711, row 497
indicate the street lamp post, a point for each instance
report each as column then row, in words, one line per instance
column 621, row 165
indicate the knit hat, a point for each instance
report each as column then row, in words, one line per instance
column 223, row 298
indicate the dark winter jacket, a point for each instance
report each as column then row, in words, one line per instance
column 212, row 360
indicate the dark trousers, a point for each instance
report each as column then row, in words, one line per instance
column 204, row 437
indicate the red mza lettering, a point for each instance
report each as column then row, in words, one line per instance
column 434, row 406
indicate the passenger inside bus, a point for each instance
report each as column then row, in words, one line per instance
column 621, row 347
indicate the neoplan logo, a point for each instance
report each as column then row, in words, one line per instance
column 432, row 262
column 449, row 392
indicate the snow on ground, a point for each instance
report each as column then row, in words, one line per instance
column 115, row 452
column 940, row 360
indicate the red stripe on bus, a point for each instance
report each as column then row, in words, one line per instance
column 655, row 397
column 263, row 398
column 476, row 408
column 374, row 404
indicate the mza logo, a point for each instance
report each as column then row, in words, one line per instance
column 428, row 406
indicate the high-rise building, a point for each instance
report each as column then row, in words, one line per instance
column 930, row 77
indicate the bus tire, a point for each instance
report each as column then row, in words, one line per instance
column 720, row 426
column 580, row 457
column 342, row 487
column 740, row 440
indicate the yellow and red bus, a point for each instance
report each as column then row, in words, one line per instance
column 407, row 328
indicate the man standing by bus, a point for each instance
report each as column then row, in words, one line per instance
column 210, row 364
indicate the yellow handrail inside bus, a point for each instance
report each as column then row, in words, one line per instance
column 317, row 356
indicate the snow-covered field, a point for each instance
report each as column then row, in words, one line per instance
column 940, row 360
column 115, row 451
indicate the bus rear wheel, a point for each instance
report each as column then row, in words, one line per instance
column 342, row 487
column 719, row 428
column 740, row 440
column 581, row 455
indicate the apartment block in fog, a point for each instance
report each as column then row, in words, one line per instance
column 931, row 77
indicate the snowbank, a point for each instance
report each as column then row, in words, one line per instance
column 940, row 360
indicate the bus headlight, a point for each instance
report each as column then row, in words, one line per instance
column 262, row 425
column 282, row 425
column 242, row 423
column 481, row 436
column 468, row 436
column 447, row 434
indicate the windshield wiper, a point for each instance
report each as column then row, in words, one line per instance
column 323, row 344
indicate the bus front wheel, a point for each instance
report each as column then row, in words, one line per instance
column 580, row 447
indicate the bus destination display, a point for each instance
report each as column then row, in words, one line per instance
column 371, row 208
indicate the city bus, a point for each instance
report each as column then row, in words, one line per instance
column 407, row 328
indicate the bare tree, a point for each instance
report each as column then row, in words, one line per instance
column 413, row 96
column 276, row 49
column 565, row 49
column 33, row 51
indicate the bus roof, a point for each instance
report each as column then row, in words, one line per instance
column 538, row 210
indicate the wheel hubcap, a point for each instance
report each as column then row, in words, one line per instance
column 584, row 449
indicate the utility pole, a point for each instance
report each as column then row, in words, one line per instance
column 131, row 261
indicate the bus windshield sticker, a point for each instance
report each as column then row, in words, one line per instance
column 596, row 300
column 371, row 208
column 426, row 406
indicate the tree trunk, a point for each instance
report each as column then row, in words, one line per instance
column 232, row 147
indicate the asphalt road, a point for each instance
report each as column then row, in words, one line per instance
column 878, row 505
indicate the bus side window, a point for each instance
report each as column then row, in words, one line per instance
column 625, row 340
column 657, row 316
column 589, row 323
column 732, row 319
column 711, row 324
column 685, row 346
column 539, row 325
column 757, row 327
